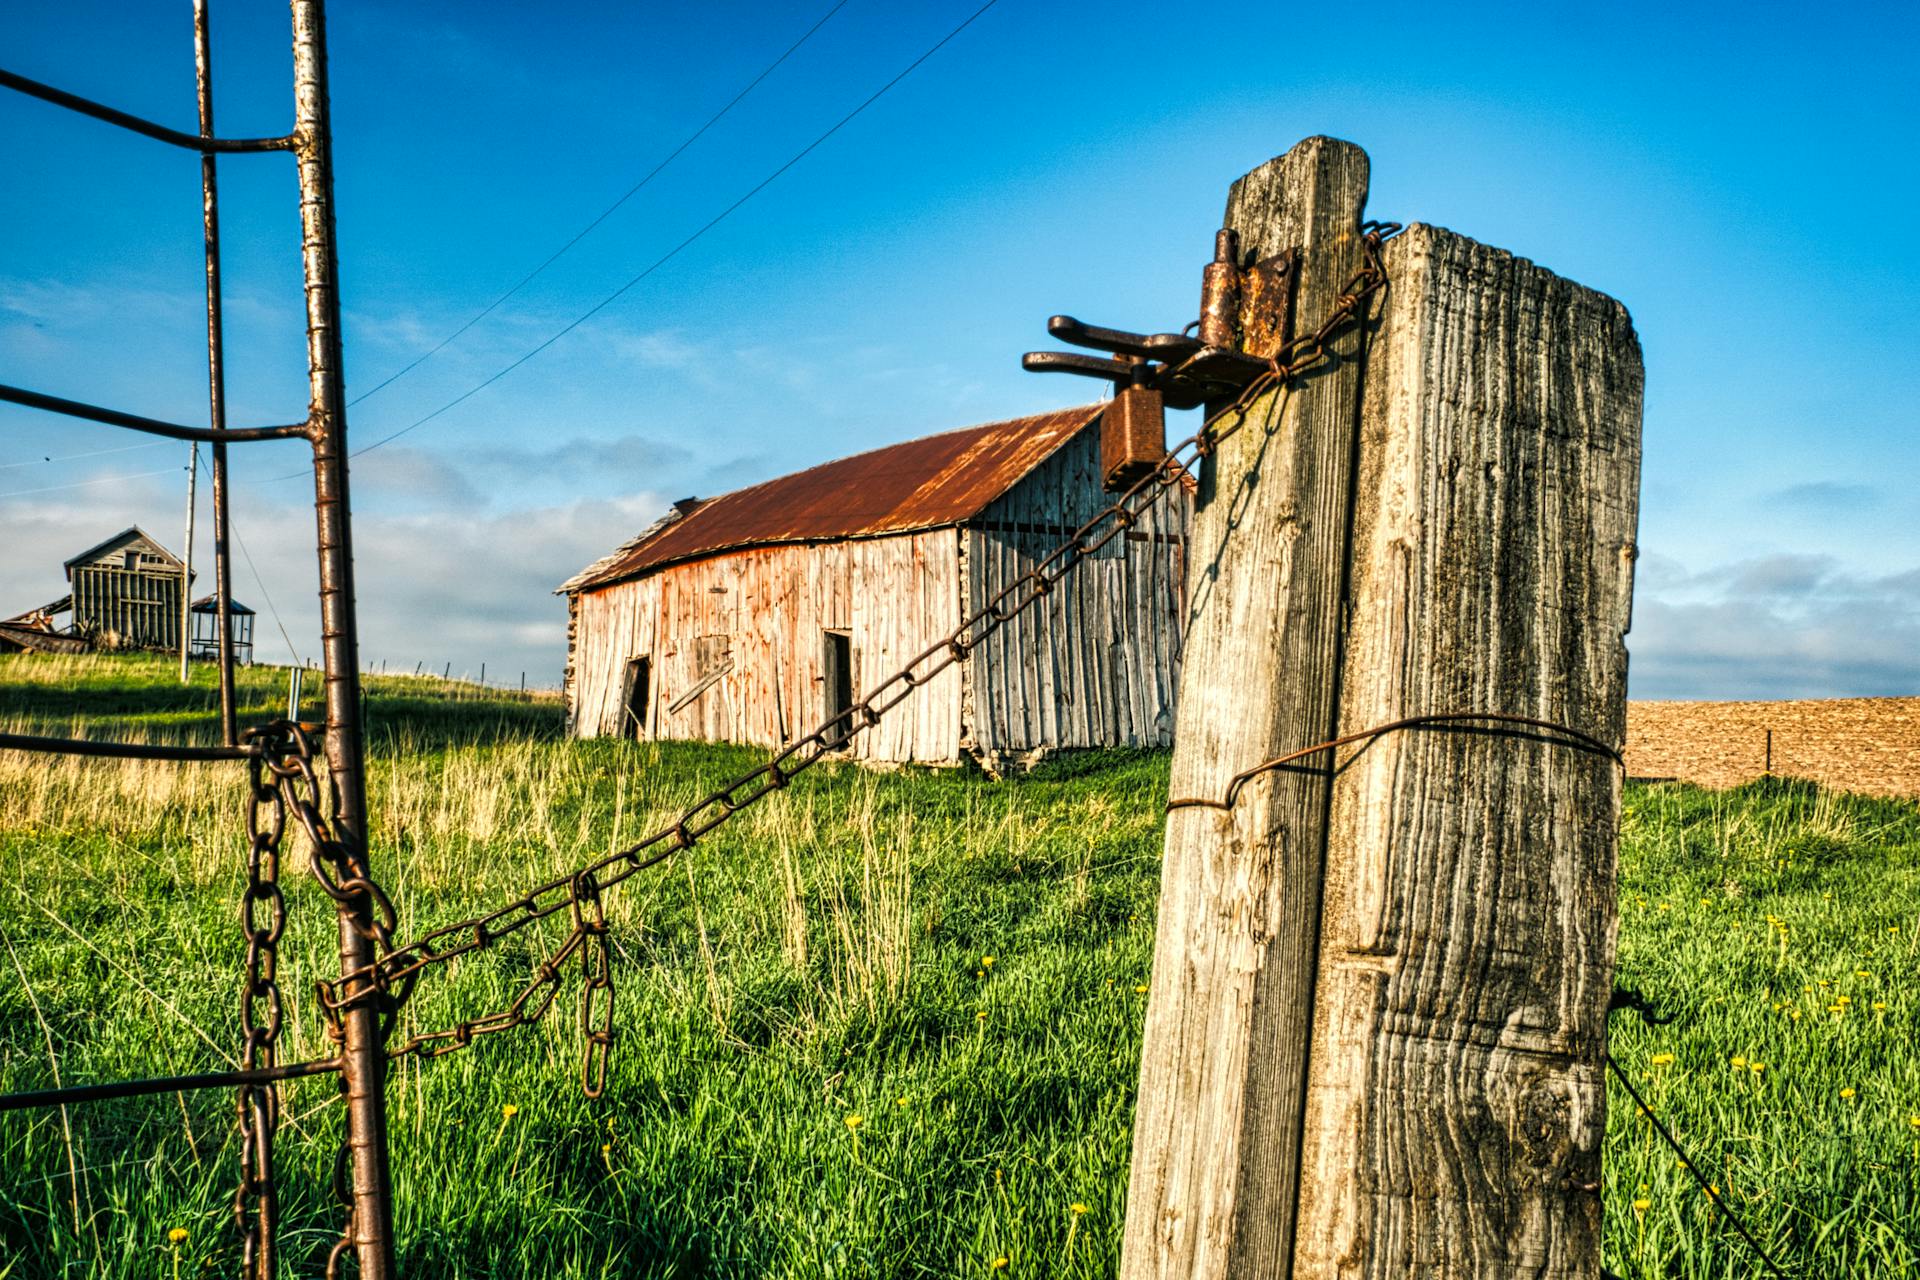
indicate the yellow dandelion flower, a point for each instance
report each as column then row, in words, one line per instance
column 178, row 1235
column 1078, row 1208
column 1142, row 988
column 509, row 1111
column 982, row 1015
column 1642, row 1205
column 979, row 973
column 1000, row 1263
column 1843, row 999
column 853, row 1122
column 1914, row 1121
column 1847, row 1092
column 986, row 962
column 1739, row 1060
column 1712, row 1189
column 1794, row 1014
column 903, row 1100
column 1758, row 1067
column 1662, row 1059
column 1861, row 973
column 1879, row 1006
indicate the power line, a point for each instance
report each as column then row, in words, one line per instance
column 606, row 213
column 81, row 484
column 674, row 252
column 91, row 453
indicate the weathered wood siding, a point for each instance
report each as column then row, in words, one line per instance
column 141, row 607
column 1096, row 665
column 762, row 615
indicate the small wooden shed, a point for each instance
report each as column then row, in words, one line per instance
column 753, row 616
column 126, row 592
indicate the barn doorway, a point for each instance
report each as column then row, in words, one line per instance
column 639, row 690
column 837, row 677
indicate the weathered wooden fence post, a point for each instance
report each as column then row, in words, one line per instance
column 1217, row 1131
column 1375, row 1042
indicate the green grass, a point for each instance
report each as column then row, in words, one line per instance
column 821, row 958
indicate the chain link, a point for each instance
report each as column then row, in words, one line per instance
column 255, row 1201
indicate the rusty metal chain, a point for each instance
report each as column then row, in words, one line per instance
column 389, row 979
column 256, row 1200
column 341, row 876
column 287, row 753
column 596, row 991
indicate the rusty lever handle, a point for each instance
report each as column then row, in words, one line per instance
column 1118, row 372
column 1141, row 346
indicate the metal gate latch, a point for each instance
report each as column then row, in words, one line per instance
column 1245, row 317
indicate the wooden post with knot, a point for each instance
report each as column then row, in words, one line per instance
column 1375, row 1040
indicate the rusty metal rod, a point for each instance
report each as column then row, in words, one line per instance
column 363, row 1055
column 152, row 426
column 121, row 750
column 165, row 1084
column 216, row 373
column 147, row 128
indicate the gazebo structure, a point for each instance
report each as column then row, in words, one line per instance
column 204, row 639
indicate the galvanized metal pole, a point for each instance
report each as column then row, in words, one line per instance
column 216, row 382
column 186, row 565
column 362, row 1057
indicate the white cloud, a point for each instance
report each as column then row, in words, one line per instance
column 1777, row 626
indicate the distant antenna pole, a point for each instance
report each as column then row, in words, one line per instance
column 186, row 566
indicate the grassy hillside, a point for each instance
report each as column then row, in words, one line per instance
column 882, row 1025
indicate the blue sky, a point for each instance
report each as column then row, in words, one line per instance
column 1730, row 173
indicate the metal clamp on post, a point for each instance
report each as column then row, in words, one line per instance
column 1246, row 316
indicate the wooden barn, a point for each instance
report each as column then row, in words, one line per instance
column 753, row 616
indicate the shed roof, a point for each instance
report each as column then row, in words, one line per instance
column 130, row 534
column 919, row 484
column 211, row 604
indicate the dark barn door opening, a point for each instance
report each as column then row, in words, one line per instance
column 837, row 673
column 639, row 682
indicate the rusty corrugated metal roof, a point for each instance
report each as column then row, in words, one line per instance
column 919, row 484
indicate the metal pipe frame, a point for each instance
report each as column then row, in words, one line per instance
column 363, row 1054
column 165, row 1084
column 152, row 426
column 216, row 372
column 362, row 1060
column 122, row 750
column 146, row 128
